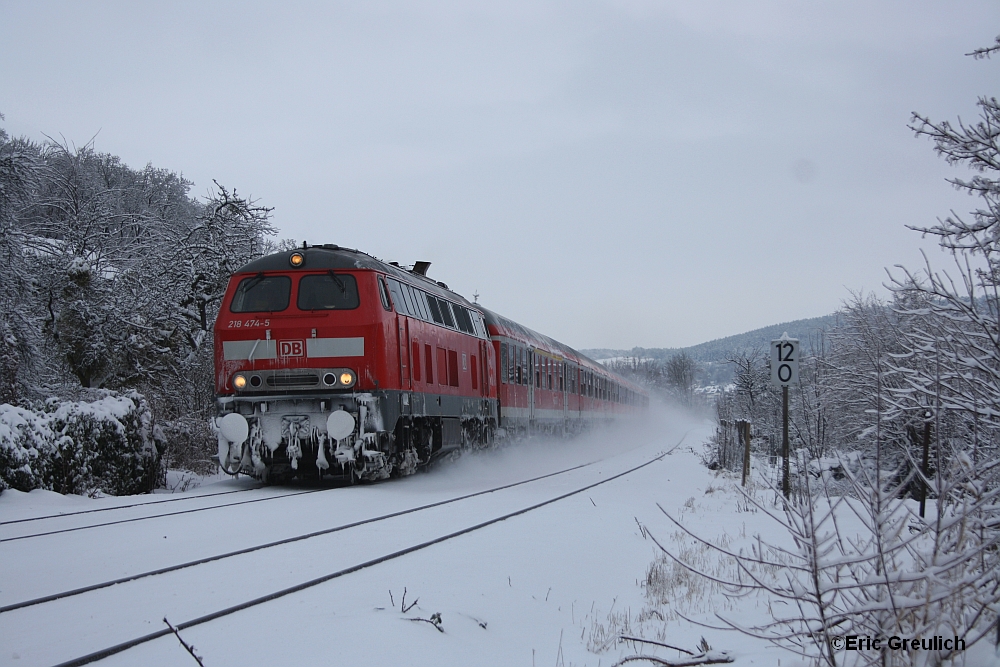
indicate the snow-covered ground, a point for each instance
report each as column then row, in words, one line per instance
column 553, row 586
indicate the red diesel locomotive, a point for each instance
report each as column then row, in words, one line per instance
column 329, row 361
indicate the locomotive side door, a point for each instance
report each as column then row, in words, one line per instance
column 484, row 365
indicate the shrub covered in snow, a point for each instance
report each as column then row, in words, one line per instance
column 100, row 446
column 26, row 448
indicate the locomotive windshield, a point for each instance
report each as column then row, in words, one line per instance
column 261, row 294
column 331, row 291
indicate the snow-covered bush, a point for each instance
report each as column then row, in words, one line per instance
column 188, row 444
column 26, row 448
column 101, row 446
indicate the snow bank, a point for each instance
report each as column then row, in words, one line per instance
column 100, row 446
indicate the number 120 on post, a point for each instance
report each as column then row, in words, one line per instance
column 784, row 361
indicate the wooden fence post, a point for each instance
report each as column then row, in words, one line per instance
column 743, row 428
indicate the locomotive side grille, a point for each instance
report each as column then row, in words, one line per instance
column 293, row 380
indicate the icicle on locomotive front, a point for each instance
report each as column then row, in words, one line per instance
column 331, row 362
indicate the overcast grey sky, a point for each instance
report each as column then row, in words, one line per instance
column 609, row 173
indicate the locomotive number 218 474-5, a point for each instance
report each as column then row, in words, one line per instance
column 247, row 324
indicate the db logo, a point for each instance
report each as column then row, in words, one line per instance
column 291, row 348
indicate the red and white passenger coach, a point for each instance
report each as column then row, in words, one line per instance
column 329, row 361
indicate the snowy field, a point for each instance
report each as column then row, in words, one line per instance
column 555, row 586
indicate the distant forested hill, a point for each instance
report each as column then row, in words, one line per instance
column 712, row 355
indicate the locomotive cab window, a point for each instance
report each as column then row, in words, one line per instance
column 260, row 294
column 384, row 294
column 328, row 291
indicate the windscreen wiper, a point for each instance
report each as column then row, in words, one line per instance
column 253, row 282
column 340, row 283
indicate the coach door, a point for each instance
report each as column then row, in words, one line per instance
column 564, row 381
column 532, row 375
column 482, row 368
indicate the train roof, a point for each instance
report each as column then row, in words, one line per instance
column 329, row 256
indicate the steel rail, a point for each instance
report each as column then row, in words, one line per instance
column 159, row 516
column 123, row 507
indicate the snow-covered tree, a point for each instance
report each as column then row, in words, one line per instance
column 113, row 278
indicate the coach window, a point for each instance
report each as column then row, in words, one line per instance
column 503, row 363
column 261, row 294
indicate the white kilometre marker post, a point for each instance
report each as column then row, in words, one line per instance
column 784, row 371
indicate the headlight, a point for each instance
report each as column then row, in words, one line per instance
column 240, row 381
column 346, row 378
column 297, row 259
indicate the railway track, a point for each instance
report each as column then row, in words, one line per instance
column 239, row 552
column 192, row 510
column 359, row 564
column 149, row 503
